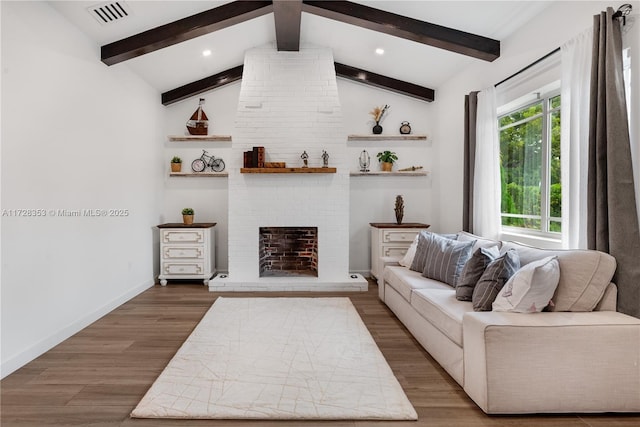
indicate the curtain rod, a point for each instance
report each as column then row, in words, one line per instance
column 522, row 70
column 622, row 12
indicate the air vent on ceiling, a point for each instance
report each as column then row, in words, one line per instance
column 108, row 13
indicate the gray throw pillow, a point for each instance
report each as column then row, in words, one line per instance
column 445, row 258
column 493, row 279
column 421, row 249
column 473, row 270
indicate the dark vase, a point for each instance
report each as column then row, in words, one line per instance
column 399, row 209
column 377, row 129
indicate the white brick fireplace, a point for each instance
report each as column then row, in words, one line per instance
column 289, row 104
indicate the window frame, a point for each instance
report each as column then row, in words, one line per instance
column 545, row 98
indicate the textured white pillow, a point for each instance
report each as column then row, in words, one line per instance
column 531, row 288
column 407, row 260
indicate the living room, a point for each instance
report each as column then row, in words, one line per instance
column 61, row 104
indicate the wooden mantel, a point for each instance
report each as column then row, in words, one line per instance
column 287, row 170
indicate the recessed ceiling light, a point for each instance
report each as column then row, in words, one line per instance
column 379, row 51
column 206, row 52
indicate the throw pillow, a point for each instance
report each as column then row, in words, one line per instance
column 407, row 259
column 445, row 258
column 531, row 288
column 472, row 271
column 493, row 279
column 420, row 254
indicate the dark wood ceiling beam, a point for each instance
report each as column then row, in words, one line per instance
column 345, row 71
column 183, row 29
column 408, row 28
column 384, row 82
column 287, row 15
column 203, row 85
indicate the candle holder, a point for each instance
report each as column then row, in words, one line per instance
column 365, row 161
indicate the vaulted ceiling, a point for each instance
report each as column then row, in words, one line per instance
column 424, row 42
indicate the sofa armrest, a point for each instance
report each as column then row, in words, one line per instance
column 609, row 299
column 390, row 260
column 384, row 262
column 552, row 362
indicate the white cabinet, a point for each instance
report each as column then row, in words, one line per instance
column 391, row 240
column 187, row 251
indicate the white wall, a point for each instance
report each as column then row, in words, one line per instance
column 553, row 26
column 373, row 197
column 76, row 134
column 207, row 196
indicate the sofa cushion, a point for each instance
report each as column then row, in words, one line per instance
column 584, row 275
column 530, row 289
column 609, row 299
column 441, row 308
column 473, row 270
column 443, row 258
column 404, row 281
column 480, row 242
column 493, row 279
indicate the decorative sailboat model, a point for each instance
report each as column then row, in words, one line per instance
column 198, row 124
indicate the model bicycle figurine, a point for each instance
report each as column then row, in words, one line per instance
column 216, row 164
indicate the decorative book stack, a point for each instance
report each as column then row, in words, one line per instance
column 254, row 158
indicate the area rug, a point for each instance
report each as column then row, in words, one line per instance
column 278, row 358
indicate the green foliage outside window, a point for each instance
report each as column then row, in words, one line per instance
column 522, row 149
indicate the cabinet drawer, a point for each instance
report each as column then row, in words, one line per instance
column 392, row 236
column 182, row 252
column 394, row 250
column 182, row 236
column 182, row 268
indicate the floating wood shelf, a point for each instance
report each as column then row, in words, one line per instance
column 396, row 173
column 198, row 138
column 287, row 170
column 201, row 174
column 409, row 137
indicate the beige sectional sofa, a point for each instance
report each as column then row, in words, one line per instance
column 582, row 357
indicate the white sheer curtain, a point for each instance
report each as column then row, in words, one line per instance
column 486, row 185
column 576, row 72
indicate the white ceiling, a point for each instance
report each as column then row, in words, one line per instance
column 406, row 60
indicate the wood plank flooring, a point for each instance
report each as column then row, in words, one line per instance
column 97, row 377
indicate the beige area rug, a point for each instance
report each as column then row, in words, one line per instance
column 278, row 358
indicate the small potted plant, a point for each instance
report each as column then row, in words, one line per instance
column 176, row 164
column 187, row 216
column 386, row 159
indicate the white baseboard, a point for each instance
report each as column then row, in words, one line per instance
column 21, row 359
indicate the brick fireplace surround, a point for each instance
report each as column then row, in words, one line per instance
column 289, row 104
column 288, row 251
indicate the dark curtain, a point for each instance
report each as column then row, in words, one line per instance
column 612, row 221
column 470, row 118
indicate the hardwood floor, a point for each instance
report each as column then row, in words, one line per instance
column 96, row 377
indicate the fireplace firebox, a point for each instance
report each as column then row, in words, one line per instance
column 288, row 251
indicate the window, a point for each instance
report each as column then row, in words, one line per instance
column 530, row 167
